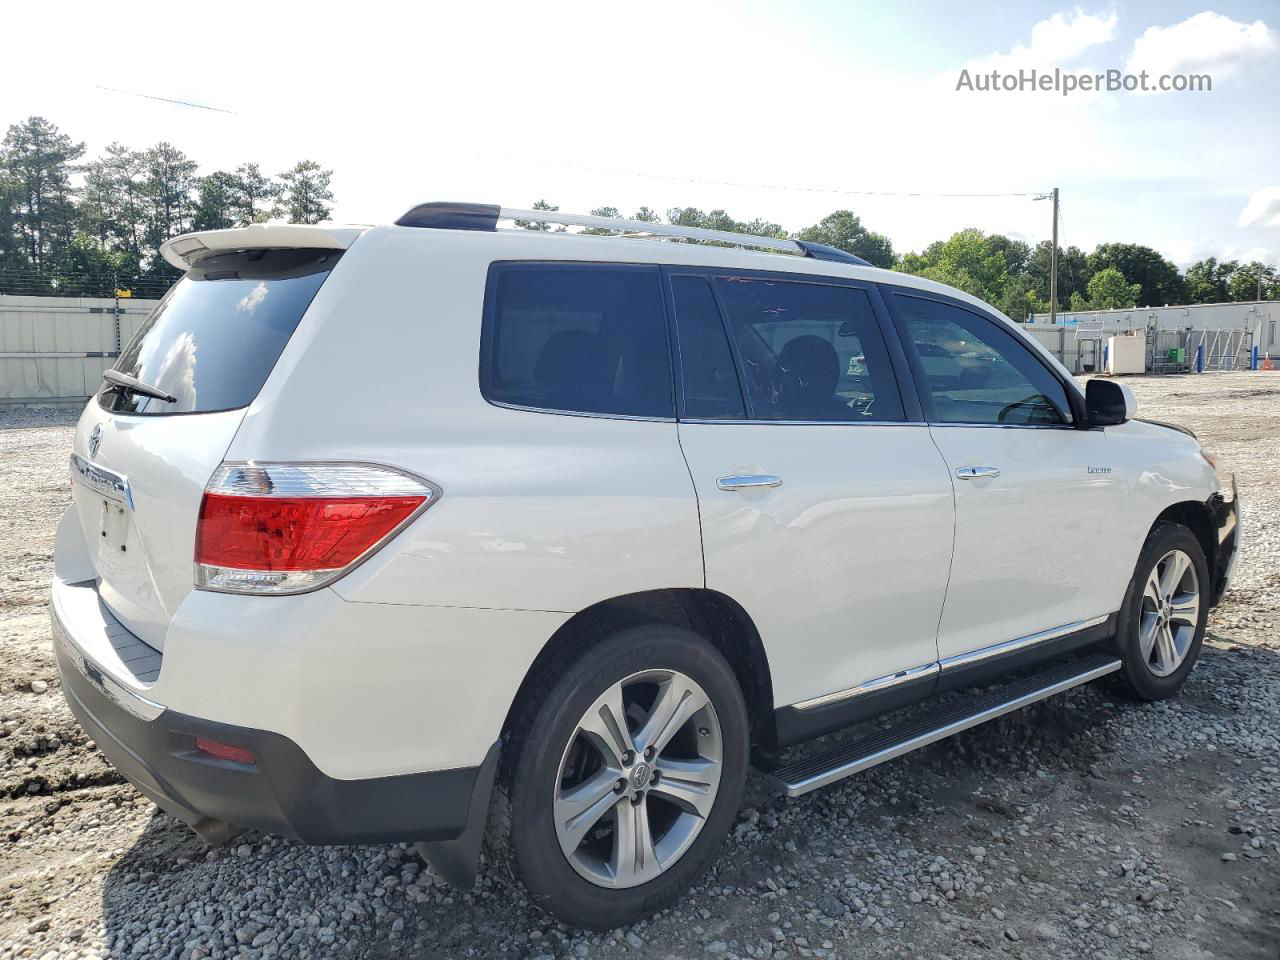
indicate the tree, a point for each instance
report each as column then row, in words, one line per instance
column 646, row 215
column 39, row 160
column 216, row 202
column 117, row 185
column 13, row 258
column 1158, row 280
column 720, row 220
column 167, row 197
column 1109, row 290
column 1073, row 273
column 844, row 230
column 970, row 260
column 540, row 225
column 253, row 196
column 601, row 212
column 305, row 195
column 1206, row 280
column 86, row 268
column 1243, row 285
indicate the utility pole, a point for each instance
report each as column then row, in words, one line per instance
column 1053, row 264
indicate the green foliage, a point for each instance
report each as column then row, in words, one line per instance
column 215, row 202
column 973, row 261
column 539, row 225
column 58, row 235
column 1158, row 280
column 720, row 220
column 602, row 212
column 1109, row 290
column 1073, row 273
column 1243, row 284
column 88, row 269
column 844, row 230
column 305, row 195
column 254, row 196
column 38, row 161
column 1206, row 280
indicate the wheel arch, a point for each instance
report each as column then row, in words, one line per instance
column 715, row 616
column 1195, row 516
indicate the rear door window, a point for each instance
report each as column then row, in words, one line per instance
column 810, row 351
column 708, row 378
column 578, row 338
column 217, row 334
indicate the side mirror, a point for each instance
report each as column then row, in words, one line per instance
column 1108, row 402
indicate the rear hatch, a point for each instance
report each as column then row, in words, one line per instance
column 140, row 463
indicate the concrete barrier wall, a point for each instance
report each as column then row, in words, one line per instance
column 53, row 349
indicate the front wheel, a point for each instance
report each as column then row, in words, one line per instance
column 1163, row 620
column 622, row 786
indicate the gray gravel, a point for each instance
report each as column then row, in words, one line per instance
column 1087, row 826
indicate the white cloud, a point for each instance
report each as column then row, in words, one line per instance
column 1054, row 41
column 1208, row 42
column 1263, row 209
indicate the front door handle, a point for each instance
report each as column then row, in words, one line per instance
column 976, row 473
column 747, row 481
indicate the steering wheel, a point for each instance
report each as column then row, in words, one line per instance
column 1035, row 400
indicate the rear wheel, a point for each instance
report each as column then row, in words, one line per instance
column 1163, row 620
column 618, row 794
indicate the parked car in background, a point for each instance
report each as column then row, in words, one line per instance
column 436, row 531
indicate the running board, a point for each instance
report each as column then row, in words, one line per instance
column 796, row 779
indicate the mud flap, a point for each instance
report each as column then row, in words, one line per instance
column 458, row 861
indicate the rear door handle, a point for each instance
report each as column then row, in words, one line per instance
column 746, row 481
column 976, row 473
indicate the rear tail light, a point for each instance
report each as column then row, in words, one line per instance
column 279, row 528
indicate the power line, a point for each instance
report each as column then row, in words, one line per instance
column 774, row 186
column 180, row 103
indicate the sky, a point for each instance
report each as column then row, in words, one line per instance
column 784, row 111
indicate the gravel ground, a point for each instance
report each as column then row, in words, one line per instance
column 1087, row 826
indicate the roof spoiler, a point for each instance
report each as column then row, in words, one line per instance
column 186, row 250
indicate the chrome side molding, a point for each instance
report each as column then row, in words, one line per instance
column 923, row 672
column 887, row 682
column 1012, row 646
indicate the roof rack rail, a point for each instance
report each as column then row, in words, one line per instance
column 485, row 216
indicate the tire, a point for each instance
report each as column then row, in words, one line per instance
column 1159, row 640
column 562, row 742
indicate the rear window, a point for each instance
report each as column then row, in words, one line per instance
column 581, row 338
column 214, row 338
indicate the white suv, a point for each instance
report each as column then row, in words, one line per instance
column 439, row 532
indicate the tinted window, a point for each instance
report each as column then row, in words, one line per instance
column 810, row 351
column 585, row 339
column 216, row 335
column 711, row 389
column 977, row 372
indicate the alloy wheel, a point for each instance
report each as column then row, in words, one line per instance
column 638, row 778
column 1170, row 613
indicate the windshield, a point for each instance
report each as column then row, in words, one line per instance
column 216, row 335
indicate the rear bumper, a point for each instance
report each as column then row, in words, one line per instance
column 1224, row 509
column 282, row 793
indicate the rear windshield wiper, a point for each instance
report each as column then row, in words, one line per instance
column 128, row 384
